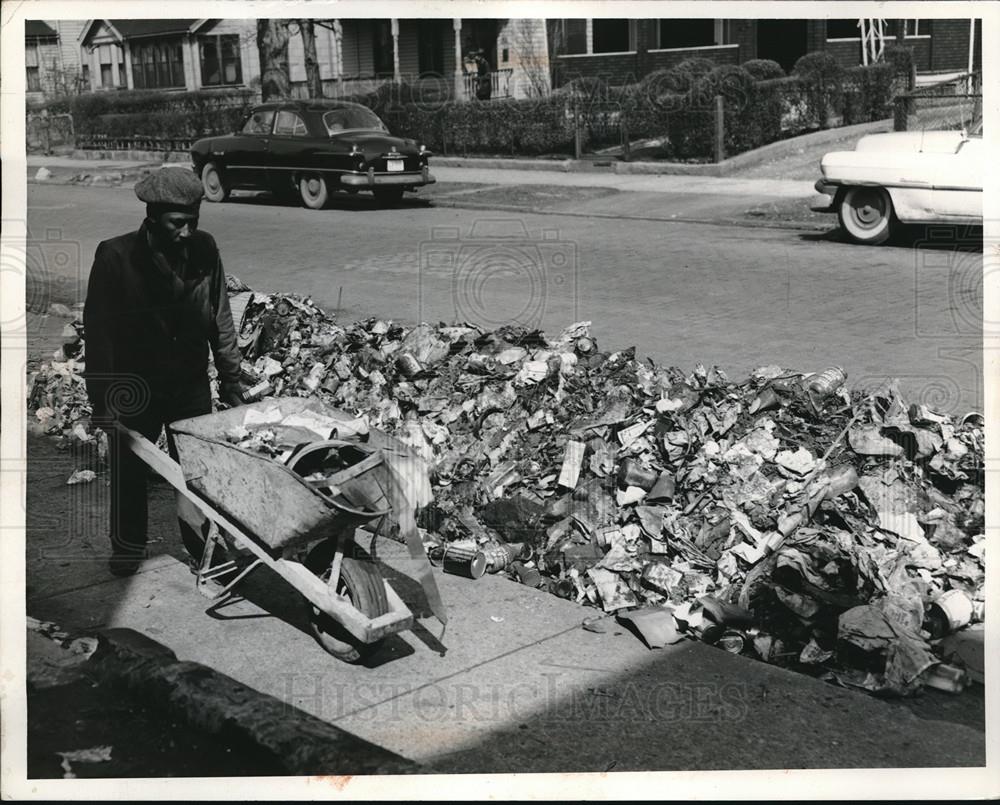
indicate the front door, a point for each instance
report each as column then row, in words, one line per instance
column 432, row 38
column 783, row 41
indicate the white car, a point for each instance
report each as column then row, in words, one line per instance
column 913, row 177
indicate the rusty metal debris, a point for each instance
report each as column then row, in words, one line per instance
column 833, row 518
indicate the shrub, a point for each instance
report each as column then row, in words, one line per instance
column 900, row 58
column 531, row 126
column 868, row 93
column 763, row 69
column 821, row 75
column 151, row 113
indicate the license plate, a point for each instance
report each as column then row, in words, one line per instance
column 394, row 165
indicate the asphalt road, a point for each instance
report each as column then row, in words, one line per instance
column 682, row 293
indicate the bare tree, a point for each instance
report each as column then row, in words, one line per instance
column 272, row 45
column 313, row 81
column 534, row 64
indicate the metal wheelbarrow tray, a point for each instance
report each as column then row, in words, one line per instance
column 269, row 510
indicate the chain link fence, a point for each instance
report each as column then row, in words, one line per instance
column 953, row 104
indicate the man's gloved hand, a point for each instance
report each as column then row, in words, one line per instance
column 232, row 393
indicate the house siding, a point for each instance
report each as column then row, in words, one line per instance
column 409, row 55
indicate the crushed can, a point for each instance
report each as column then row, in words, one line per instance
column 500, row 555
column 632, row 473
column 839, row 480
column 407, row 365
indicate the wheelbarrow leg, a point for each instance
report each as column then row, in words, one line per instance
column 207, row 575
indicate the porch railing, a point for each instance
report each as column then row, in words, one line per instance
column 499, row 83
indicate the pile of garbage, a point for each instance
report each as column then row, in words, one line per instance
column 782, row 516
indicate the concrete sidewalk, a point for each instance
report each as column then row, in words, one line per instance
column 514, row 685
column 598, row 194
column 63, row 167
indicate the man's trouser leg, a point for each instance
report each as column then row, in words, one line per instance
column 128, row 489
column 189, row 401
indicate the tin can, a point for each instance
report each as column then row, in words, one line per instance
column 632, row 473
column 946, row 677
column 828, row 381
column 255, row 393
column 528, row 576
column 949, row 612
column 463, row 561
column 733, row 641
column 407, row 365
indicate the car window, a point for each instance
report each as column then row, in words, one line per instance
column 352, row 117
column 259, row 122
column 291, row 124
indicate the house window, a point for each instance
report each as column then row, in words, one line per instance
column 220, row 60
column 913, row 28
column 842, row 29
column 157, row 65
column 613, row 36
column 86, row 75
column 34, row 80
column 687, row 33
column 574, row 34
column 382, row 56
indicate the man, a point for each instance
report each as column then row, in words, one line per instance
column 484, row 84
column 156, row 301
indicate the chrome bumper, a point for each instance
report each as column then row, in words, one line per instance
column 824, row 201
column 372, row 179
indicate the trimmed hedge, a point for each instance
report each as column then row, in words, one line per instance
column 676, row 104
column 160, row 114
column 763, row 69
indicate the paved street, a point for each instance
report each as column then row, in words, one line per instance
column 682, row 293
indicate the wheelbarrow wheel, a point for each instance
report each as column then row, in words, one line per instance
column 361, row 581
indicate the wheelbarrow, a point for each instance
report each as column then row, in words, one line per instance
column 266, row 507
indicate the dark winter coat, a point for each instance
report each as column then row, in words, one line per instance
column 145, row 323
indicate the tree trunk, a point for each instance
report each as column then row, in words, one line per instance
column 313, row 81
column 272, row 45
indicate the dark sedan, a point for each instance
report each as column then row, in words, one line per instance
column 311, row 149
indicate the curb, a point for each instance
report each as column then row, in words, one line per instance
column 217, row 704
column 755, row 223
